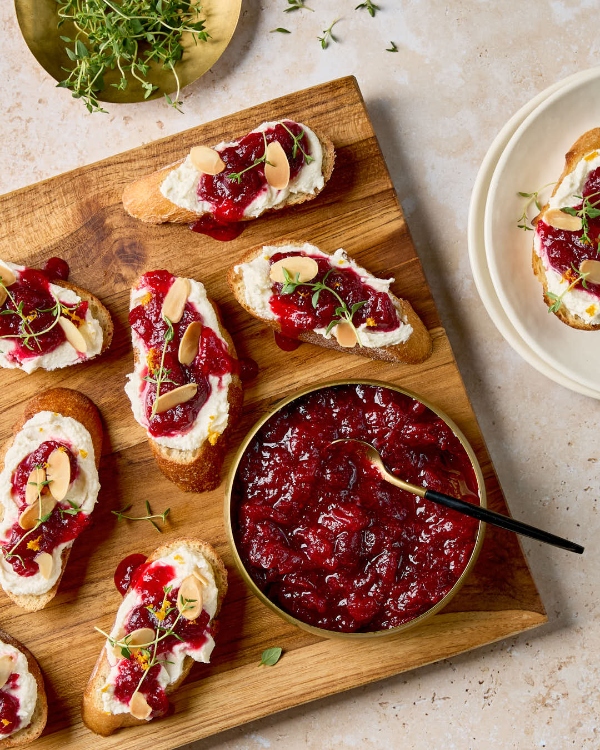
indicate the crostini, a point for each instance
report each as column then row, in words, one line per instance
column 329, row 300
column 48, row 489
column 185, row 389
column 166, row 622
column 23, row 702
column 278, row 164
column 567, row 235
column 48, row 323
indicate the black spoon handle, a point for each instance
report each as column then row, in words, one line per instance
column 504, row 522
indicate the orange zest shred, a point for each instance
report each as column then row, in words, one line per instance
column 371, row 322
column 34, row 544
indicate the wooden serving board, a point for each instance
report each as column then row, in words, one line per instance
column 79, row 216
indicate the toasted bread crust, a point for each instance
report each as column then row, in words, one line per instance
column 416, row 349
column 143, row 200
column 40, row 713
column 72, row 404
column 94, row 717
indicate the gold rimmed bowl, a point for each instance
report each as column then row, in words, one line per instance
column 322, row 540
column 38, row 21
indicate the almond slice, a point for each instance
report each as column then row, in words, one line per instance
column 7, row 276
column 345, row 335
column 3, row 295
column 299, row 267
column 140, row 637
column 206, row 160
column 35, row 485
column 29, row 517
column 58, row 473
column 277, row 166
column 175, row 397
column 174, row 303
column 116, row 650
column 190, row 343
column 138, row 706
column 45, row 564
column 592, row 270
column 189, row 599
column 197, row 574
column 6, row 669
column 73, row 334
column 560, row 220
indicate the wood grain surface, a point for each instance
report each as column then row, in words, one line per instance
column 79, row 217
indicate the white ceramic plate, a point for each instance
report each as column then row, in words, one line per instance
column 533, row 157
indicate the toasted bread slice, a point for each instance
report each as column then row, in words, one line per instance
column 143, row 199
column 415, row 349
column 588, row 143
column 40, row 713
column 66, row 403
column 94, row 715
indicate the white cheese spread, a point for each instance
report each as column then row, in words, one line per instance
column 43, row 426
column 64, row 354
column 184, row 561
column 212, row 418
column 180, row 186
column 257, row 289
column 26, row 689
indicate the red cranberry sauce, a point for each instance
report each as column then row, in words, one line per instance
column 125, row 570
column 157, row 609
column 56, row 268
column 325, row 537
column 296, row 311
column 229, row 197
column 21, row 547
column 213, row 357
column 32, row 290
column 218, row 230
column 9, row 707
column 566, row 250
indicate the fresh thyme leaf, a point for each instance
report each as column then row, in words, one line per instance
column 296, row 5
column 296, row 146
column 149, row 517
column 392, row 47
column 587, row 211
column 237, row 176
column 523, row 222
column 370, row 6
column 328, row 35
column 270, row 656
column 280, row 30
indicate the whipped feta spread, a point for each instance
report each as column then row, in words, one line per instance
column 212, row 418
column 180, row 186
column 184, row 560
column 43, row 426
column 65, row 354
column 257, row 289
column 26, row 689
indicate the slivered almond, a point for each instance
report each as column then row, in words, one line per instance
column 277, row 166
column 190, row 343
column 197, row 574
column 6, row 275
column 174, row 303
column 345, row 335
column 29, row 517
column 560, row 220
column 189, row 600
column 140, row 637
column 58, row 473
column 138, row 706
column 6, row 669
column 206, row 160
column 175, row 397
column 34, row 485
column 116, row 650
column 299, row 267
column 592, row 270
column 45, row 563
column 3, row 295
column 73, row 334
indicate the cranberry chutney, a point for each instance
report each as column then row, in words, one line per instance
column 324, row 539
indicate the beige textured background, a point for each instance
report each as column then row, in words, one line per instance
column 463, row 68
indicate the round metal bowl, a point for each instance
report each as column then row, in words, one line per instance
column 324, row 633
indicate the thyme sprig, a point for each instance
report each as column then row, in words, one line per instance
column 296, row 146
column 557, row 299
column 370, row 6
column 328, row 35
column 237, row 176
column 126, row 35
column 392, row 48
column 587, row 211
column 150, row 516
column 160, row 375
column 343, row 312
column 38, row 521
column 296, row 5
column 533, row 198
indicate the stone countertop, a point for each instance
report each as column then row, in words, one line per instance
column 461, row 70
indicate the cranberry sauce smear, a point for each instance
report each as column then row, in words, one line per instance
column 296, row 313
column 125, row 570
column 56, row 268
column 58, row 529
column 567, row 249
column 149, row 582
column 325, row 538
column 229, row 198
column 212, row 359
column 9, row 710
column 218, row 230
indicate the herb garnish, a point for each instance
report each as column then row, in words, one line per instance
column 148, row 517
column 587, row 211
column 296, row 5
column 343, row 312
column 237, row 176
column 296, row 146
column 126, row 35
column 328, row 35
column 270, row 656
column 392, row 48
column 280, row 30
column 557, row 298
column 38, row 521
column 370, row 6
column 72, row 510
column 160, row 375
column 523, row 222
